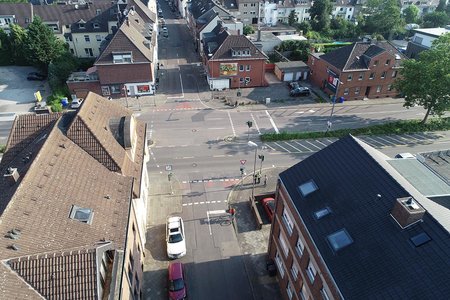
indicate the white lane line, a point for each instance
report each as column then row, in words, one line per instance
column 301, row 145
column 313, row 145
column 216, row 128
column 222, row 155
column 293, row 146
column 282, row 147
column 231, row 122
column 272, row 122
column 256, row 124
column 188, row 157
column 268, row 146
column 374, row 143
column 386, row 141
column 320, row 143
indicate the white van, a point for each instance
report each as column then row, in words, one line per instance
column 76, row 103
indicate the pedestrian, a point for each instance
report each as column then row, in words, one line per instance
column 265, row 180
column 259, row 178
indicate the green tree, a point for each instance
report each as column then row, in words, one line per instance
column 42, row 47
column 60, row 69
column 320, row 15
column 343, row 29
column 304, row 27
column 292, row 19
column 435, row 19
column 441, row 6
column 17, row 39
column 383, row 17
column 426, row 81
column 5, row 48
column 411, row 14
column 248, row 30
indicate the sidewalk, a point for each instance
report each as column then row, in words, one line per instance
column 254, row 242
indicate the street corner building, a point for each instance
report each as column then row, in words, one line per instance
column 362, row 70
column 73, row 204
column 352, row 223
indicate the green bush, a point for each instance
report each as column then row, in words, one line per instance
column 399, row 127
column 2, row 148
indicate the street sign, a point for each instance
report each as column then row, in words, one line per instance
column 243, row 161
column 168, row 167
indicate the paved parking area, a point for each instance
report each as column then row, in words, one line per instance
column 379, row 142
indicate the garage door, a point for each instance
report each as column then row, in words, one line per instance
column 219, row 84
column 288, row 76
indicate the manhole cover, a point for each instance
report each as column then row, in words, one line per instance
column 194, row 164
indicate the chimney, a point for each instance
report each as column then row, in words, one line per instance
column 12, row 176
column 128, row 21
column 407, row 211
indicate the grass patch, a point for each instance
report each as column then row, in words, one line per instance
column 2, row 148
column 398, row 127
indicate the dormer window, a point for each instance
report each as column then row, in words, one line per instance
column 122, row 57
column 239, row 53
column 96, row 25
column 81, row 26
column 98, row 11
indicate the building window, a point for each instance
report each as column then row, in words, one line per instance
column 388, row 62
column 389, row 87
column 299, row 246
column 420, row 239
column 394, row 74
column 308, row 187
column 279, row 263
column 105, row 91
column 294, row 271
column 98, row 11
column 383, row 75
column 115, row 89
column 98, row 38
column 378, row 88
column 375, row 63
column 283, row 244
column 96, row 25
column 88, row 52
column 372, row 76
column 311, row 271
column 72, row 51
column 361, row 76
column 87, row 38
column 357, row 90
column 289, row 290
column 324, row 294
column 418, row 40
column 349, row 77
column 319, row 214
column 339, row 239
column 245, row 5
column 346, row 91
column 302, row 292
column 81, row 26
column 241, row 68
column 121, row 58
column 130, row 274
column 131, row 261
column 248, row 68
column 81, row 214
column 247, row 80
column 287, row 219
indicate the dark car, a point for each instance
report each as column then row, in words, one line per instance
column 300, row 91
column 177, row 285
column 269, row 207
column 36, row 76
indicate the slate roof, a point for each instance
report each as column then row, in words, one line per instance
column 21, row 11
column 63, row 171
column 128, row 37
column 381, row 263
column 143, row 11
column 236, row 42
column 199, row 7
column 351, row 57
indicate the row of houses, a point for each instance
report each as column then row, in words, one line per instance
column 73, row 204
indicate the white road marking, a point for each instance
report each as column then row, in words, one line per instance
column 282, row 147
column 311, row 111
column 256, row 124
column 231, row 122
column 272, row 122
column 299, row 112
column 321, row 143
column 268, row 146
column 187, row 157
column 216, row 128
column 290, row 145
column 313, row 145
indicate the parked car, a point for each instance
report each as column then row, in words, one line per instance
column 300, row 91
column 269, row 207
column 293, row 84
column 76, row 103
column 36, row 76
column 165, row 34
column 177, row 284
column 176, row 243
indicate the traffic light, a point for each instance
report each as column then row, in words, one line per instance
column 169, row 176
column 249, row 124
column 261, row 157
column 242, row 170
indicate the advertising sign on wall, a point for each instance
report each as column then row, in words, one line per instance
column 228, row 69
column 332, row 81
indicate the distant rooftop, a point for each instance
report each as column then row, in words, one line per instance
column 433, row 31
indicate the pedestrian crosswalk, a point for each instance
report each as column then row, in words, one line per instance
column 204, row 202
column 211, row 180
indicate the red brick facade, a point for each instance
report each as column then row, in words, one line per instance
column 375, row 82
column 256, row 74
column 322, row 280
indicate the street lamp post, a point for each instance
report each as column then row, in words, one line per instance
column 126, row 94
column 252, row 144
column 334, row 99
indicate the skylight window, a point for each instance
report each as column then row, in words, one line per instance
column 339, row 239
column 322, row 213
column 420, row 239
column 308, row 187
column 81, row 214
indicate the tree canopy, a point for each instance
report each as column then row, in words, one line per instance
column 384, row 17
column 320, row 15
column 426, row 81
column 411, row 14
column 435, row 19
column 41, row 46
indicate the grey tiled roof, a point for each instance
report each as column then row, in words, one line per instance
column 21, row 11
column 381, row 263
column 237, row 42
column 199, row 7
column 356, row 56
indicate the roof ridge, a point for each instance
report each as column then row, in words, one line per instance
column 221, row 45
column 350, row 55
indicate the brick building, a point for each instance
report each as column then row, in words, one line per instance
column 232, row 61
column 357, row 71
column 71, row 191
column 351, row 223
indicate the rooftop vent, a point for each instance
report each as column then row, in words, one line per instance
column 14, row 234
column 407, row 212
column 12, row 176
column 14, row 247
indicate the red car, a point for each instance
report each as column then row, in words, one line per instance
column 269, row 207
column 177, row 285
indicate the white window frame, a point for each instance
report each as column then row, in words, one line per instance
column 87, row 38
column 287, row 220
column 279, row 264
column 346, row 90
column 379, row 88
column 289, row 290
column 383, row 75
column 98, row 37
column 299, row 246
column 283, row 244
column 294, row 270
column 357, row 89
column 311, row 271
column 241, row 68
column 372, row 76
column 303, row 292
column 394, row 74
column 247, row 68
column 361, row 76
column 324, row 294
column 349, row 77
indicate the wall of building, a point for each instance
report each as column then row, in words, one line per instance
column 295, row 258
column 256, row 73
column 79, row 43
column 124, row 73
column 82, row 88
